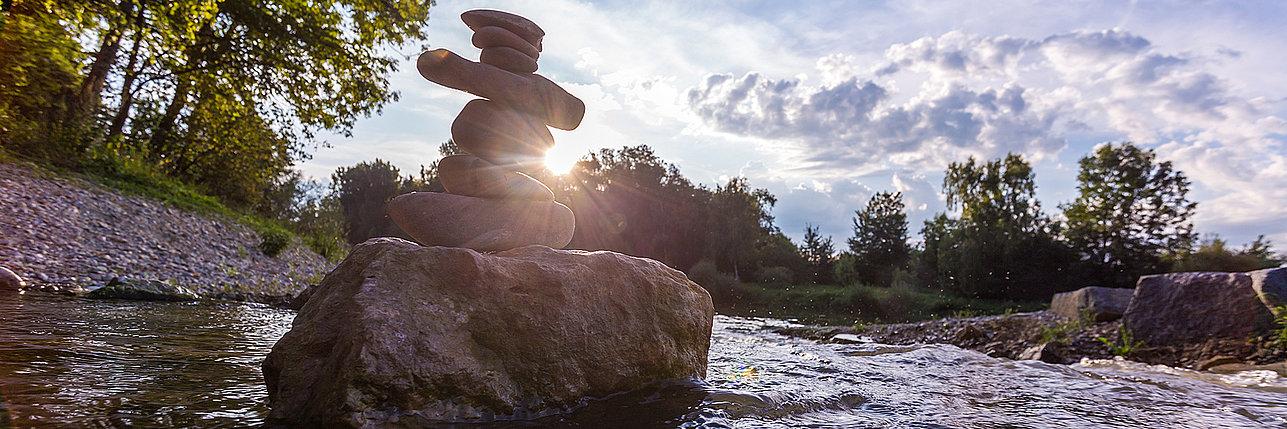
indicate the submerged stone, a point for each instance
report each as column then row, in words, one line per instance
column 143, row 290
column 401, row 332
column 9, row 281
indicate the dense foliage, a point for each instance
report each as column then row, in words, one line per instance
column 1131, row 214
column 880, row 237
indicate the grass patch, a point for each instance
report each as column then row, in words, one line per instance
column 858, row 304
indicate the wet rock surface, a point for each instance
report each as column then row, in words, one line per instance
column 402, row 334
column 143, row 290
column 64, row 234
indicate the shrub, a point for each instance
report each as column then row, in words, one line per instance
column 844, row 272
column 274, row 240
column 724, row 289
column 775, row 276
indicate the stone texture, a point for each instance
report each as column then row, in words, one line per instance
column 471, row 176
column 491, row 37
column 10, row 281
column 61, row 232
column 508, row 59
column 523, row 27
column 407, row 335
column 501, row 136
column 143, row 290
column 1178, row 307
column 531, row 93
column 1099, row 304
column 438, row 219
column 1270, row 285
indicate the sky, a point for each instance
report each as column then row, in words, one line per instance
column 825, row 103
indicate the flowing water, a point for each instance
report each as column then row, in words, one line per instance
column 78, row 362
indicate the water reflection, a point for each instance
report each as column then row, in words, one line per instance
column 115, row 363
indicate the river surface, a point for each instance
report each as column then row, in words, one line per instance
column 77, row 362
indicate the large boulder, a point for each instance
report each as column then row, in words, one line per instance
column 1187, row 307
column 1270, row 285
column 404, row 333
column 1097, row 304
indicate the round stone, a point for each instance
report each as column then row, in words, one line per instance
column 9, row 281
column 472, row 176
column 483, row 224
column 523, row 27
column 491, row 37
column 502, row 136
column 508, row 59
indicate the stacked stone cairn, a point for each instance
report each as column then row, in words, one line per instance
column 491, row 204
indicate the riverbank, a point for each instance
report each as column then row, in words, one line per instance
column 59, row 232
column 1047, row 337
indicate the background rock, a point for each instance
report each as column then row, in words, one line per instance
column 1178, row 307
column 10, row 281
column 1270, row 285
column 400, row 331
column 1099, row 304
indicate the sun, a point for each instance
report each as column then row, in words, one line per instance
column 560, row 161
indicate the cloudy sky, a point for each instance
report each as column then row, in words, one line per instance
column 826, row 102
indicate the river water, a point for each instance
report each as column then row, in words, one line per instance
column 78, row 362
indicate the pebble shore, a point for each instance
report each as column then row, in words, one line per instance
column 60, row 231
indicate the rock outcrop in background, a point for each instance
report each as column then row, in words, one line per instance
column 1180, row 307
column 400, row 331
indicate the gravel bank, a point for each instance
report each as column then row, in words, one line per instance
column 67, row 231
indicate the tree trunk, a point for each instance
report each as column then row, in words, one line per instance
column 91, row 89
column 159, row 144
column 127, row 86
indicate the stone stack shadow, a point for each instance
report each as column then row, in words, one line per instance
column 491, row 203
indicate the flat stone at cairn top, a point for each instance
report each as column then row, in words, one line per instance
column 521, row 26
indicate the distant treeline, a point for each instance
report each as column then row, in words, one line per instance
column 1131, row 217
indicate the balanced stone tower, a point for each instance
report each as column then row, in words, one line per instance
column 491, row 203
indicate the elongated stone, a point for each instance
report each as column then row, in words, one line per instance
column 523, row 27
column 531, row 93
column 471, row 176
column 491, row 37
column 439, row 219
column 509, row 59
column 501, row 136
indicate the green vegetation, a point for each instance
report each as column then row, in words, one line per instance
column 1123, row 345
column 841, row 305
column 1059, row 332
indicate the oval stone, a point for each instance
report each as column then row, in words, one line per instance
column 523, row 27
column 508, row 59
column 531, row 93
column 501, row 136
column 483, row 224
column 472, row 176
column 491, row 37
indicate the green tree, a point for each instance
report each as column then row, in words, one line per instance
column 631, row 201
column 819, row 253
column 739, row 219
column 879, row 243
column 1131, row 214
column 363, row 191
column 1002, row 246
column 1214, row 254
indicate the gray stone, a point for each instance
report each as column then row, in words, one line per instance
column 401, row 332
column 1270, row 286
column 484, row 224
column 508, row 59
column 471, row 176
column 530, row 93
column 143, row 290
column 522, row 27
column 9, row 281
column 1185, row 307
column 490, row 37
column 1097, row 304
